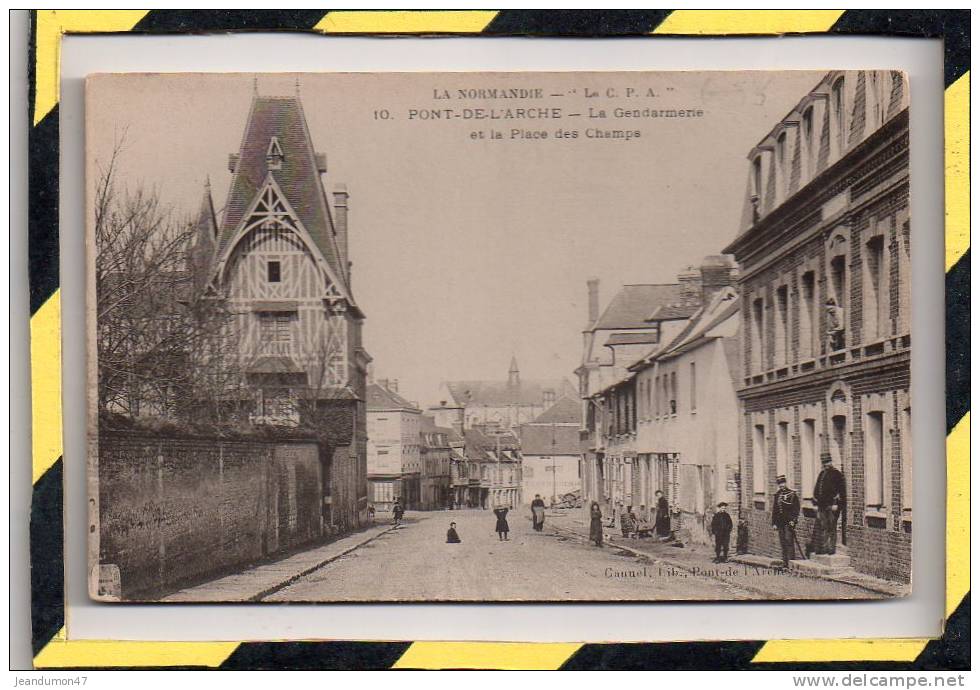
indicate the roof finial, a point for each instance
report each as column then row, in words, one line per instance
column 255, row 86
column 207, row 182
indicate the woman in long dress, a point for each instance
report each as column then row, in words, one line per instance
column 595, row 523
column 503, row 529
column 537, row 513
column 662, row 523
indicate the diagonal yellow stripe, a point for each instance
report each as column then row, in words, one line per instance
column 50, row 25
column 62, row 653
column 406, row 21
column 487, row 655
column 957, row 514
column 748, row 21
column 46, row 444
column 803, row 651
column 957, row 126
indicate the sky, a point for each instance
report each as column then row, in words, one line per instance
column 469, row 251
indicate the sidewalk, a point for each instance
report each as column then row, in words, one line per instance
column 759, row 578
column 258, row 582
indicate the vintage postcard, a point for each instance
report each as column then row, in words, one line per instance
column 579, row 336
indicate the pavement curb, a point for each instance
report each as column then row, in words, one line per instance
column 686, row 567
column 269, row 591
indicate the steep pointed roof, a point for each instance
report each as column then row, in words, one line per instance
column 381, row 398
column 567, row 410
column 634, row 303
column 205, row 232
column 278, row 125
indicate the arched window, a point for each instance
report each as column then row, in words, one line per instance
column 807, row 125
column 837, row 104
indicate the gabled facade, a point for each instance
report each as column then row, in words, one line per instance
column 436, row 454
column 278, row 259
column 394, row 461
column 551, row 460
column 824, row 247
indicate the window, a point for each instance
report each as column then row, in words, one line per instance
column 756, row 199
column 782, row 174
column 809, row 457
column 275, row 327
column 756, row 336
column 837, row 104
column 879, row 99
column 906, row 447
column 782, row 326
column 807, row 125
column 759, row 459
column 782, row 452
column 384, row 492
column 808, row 314
column 838, row 434
column 876, row 292
column 836, row 313
column 694, row 388
column 649, row 397
column 274, row 271
column 656, row 397
column 274, row 155
column 874, row 460
column 673, row 392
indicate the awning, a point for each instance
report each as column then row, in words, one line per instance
column 275, row 305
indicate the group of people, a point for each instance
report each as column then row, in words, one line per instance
column 830, row 499
column 630, row 523
column 502, row 527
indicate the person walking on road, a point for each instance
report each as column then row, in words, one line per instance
column 595, row 523
column 537, row 513
column 452, row 537
column 785, row 513
column 830, row 496
column 627, row 522
column 503, row 529
column 397, row 512
column 721, row 528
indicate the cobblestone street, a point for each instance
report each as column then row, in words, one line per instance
column 413, row 563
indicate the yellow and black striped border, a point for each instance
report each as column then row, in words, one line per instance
column 53, row 648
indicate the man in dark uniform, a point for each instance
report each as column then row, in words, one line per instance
column 721, row 528
column 830, row 496
column 785, row 512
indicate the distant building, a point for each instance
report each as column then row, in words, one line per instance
column 551, row 453
column 394, row 463
column 495, row 457
column 826, row 217
column 436, row 452
column 504, row 404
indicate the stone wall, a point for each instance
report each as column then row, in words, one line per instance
column 178, row 510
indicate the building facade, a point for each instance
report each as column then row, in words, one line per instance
column 504, row 404
column 435, row 449
column 278, row 258
column 394, row 462
column 687, row 420
column 494, row 456
column 825, row 286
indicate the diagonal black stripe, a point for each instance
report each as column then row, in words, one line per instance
column 576, row 22
column 953, row 26
column 952, row 650
column 202, row 21
column 957, row 341
column 47, row 558
column 335, row 656
column 679, row 656
column 42, row 209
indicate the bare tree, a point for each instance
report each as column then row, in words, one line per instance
column 164, row 348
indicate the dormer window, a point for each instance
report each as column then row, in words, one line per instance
column 274, row 155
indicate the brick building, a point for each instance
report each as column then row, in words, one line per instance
column 826, row 218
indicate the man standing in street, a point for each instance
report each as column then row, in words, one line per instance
column 721, row 528
column 830, row 496
column 785, row 513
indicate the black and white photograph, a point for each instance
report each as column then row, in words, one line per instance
column 498, row 337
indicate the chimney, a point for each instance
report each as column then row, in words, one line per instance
column 393, row 385
column 383, row 383
column 593, row 284
column 690, row 282
column 717, row 272
column 340, row 201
